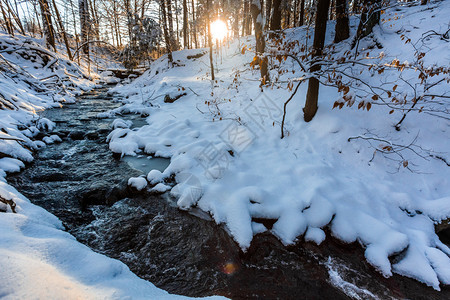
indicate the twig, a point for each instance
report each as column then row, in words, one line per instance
column 11, row 203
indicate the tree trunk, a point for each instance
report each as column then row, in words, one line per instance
column 302, row 13
column 8, row 24
column 185, row 25
column 268, row 11
column 320, row 28
column 341, row 28
column 244, row 18
column 84, row 24
column 49, row 32
column 173, row 44
column 15, row 16
column 255, row 9
column 208, row 11
column 194, row 25
column 370, row 17
column 275, row 20
column 167, row 37
column 63, row 31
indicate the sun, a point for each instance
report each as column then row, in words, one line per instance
column 219, row 30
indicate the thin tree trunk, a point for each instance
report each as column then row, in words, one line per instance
column 275, row 21
column 320, row 28
column 268, row 11
column 170, row 21
column 302, row 13
column 185, row 24
column 208, row 11
column 244, row 18
column 370, row 17
column 255, row 9
column 15, row 17
column 194, row 25
column 63, row 31
column 177, row 23
column 83, row 9
column 342, row 28
column 167, row 37
column 8, row 24
column 48, row 30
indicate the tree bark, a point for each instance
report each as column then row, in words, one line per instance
column 320, row 28
column 275, row 20
column 8, row 24
column 342, row 28
column 370, row 17
column 302, row 13
column 84, row 24
column 194, row 25
column 256, row 11
column 185, row 25
column 63, row 31
column 167, row 37
column 208, row 11
column 49, row 32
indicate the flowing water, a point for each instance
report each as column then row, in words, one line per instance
column 81, row 182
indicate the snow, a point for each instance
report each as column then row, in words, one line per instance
column 138, row 183
column 38, row 259
column 227, row 157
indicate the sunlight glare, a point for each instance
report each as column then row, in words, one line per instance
column 218, row 30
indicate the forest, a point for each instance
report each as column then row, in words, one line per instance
column 242, row 149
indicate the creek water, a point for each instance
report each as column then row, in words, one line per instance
column 82, row 183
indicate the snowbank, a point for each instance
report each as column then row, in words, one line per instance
column 38, row 259
column 227, row 157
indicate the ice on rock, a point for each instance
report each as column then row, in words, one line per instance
column 52, row 139
column 161, row 188
column 45, row 124
column 119, row 123
column 315, row 235
column 155, row 176
column 138, row 183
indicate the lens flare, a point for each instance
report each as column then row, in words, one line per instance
column 229, row 268
column 219, row 30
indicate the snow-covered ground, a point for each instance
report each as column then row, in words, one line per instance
column 223, row 139
column 38, row 259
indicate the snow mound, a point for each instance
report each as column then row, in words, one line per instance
column 227, row 157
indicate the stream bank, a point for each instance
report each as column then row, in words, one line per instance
column 81, row 182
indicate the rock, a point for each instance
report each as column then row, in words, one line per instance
column 92, row 135
column 103, row 194
column 76, row 135
column 169, row 99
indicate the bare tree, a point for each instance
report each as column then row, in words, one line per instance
column 83, row 9
column 320, row 28
column 256, row 11
column 48, row 30
column 342, row 28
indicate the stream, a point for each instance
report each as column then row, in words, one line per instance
column 85, row 185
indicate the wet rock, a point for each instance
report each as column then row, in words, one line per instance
column 49, row 176
column 443, row 231
column 62, row 133
column 40, row 135
column 92, row 135
column 102, row 193
column 76, row 135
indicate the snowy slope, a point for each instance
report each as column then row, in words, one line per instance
column 38, row 259
column 223, row 139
